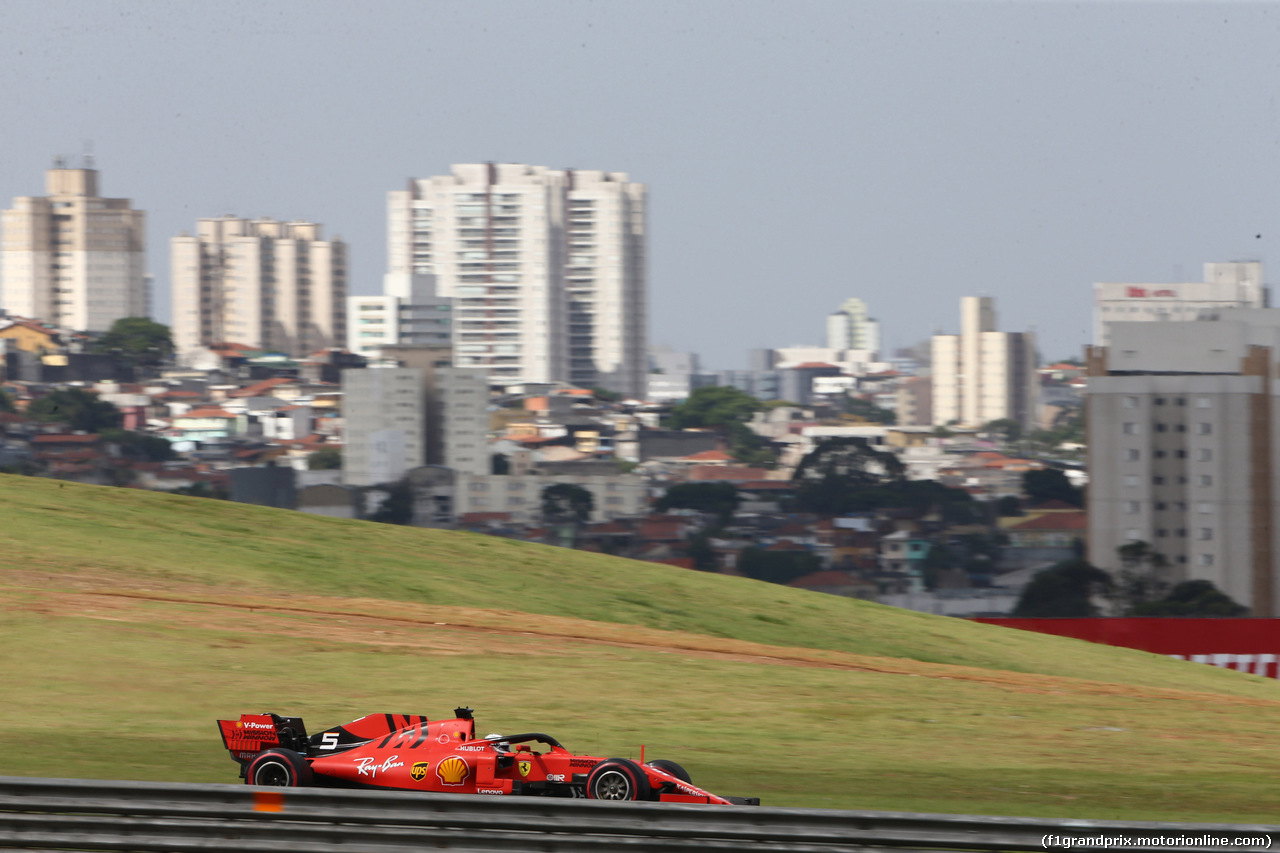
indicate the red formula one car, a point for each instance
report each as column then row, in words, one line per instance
column 408, row 752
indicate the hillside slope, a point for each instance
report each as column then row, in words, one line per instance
column 130, row 620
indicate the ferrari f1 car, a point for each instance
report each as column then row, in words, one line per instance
column 408, row 752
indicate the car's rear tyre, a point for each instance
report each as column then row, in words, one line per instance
column 278, row 768
column 671, row 767
column 618, row 779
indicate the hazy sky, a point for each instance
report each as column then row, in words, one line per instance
column 797, row 153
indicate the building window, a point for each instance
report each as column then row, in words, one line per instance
column 1205, row 559
column 1160, row 427
column 1202, row 402
column 1131, row 479
column 1130, row 428
column 1159, row 401
column 1132, row 454
column 1157, row 481
column 1131, row 402
column 1132, row 534
column 1161, row 533
column 1204, row 428
column 1206, row 479
column 1205, row 534
column 1204, row 508
column 1131, row 507
column 1159, row 454
column 1160, row 505
column 1181, row 401
column 1204, row 454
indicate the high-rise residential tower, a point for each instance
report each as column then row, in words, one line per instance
column 851, row 327
column 1183, row 435
column 546, row 269
column 72, row 258
column 982, row 375
column 266, row 284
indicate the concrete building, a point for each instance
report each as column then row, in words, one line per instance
column 72, row 258
column 982, row 375
column 270, row 285
column 1184, row 434
column 408, row 312
column 672, row 375
column 547, row 269
column 464, row 418
column 915, row 401
column 1235, row 284
column 613, row 495
column 850, row 327
column 383, row 413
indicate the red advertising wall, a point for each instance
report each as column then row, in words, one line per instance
column 1247, row 645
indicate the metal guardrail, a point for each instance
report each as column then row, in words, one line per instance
column 77, row 814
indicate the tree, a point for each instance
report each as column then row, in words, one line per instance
column 719, row 498
column 566, row 503
column 140, row 445
column 700, row 551
column 76, row 407
column 397, row 506
column 139, row 340
column 6, row 403
column 1009, row 430
column 605, row 395
column 1065, row 589
column 1192, row 598
column 1009, row 505
column 1138, row 582
column 325, row 459
column 714, row 407
column 868, row 411
column 1050, row 484
column 777, row 566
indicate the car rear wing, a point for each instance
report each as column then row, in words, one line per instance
column 252, row 733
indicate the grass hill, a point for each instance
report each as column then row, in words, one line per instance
column 129, row 621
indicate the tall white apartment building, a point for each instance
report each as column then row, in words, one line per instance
column 982, row 375
column 72, row 258
column 1232, row 284
column 1184, row 439
column 258, row 282
column 851, row 327
column 546, row 269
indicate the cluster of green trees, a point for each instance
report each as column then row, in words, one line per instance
column 1074, row 587
column 726, row 411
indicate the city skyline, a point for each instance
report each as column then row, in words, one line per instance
column 905, row 154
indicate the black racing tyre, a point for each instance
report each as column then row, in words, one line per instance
column 618, row 779
column 279, row 768
column 671, row 767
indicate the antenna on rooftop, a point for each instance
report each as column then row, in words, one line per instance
column 59, row 161
column 88, row 153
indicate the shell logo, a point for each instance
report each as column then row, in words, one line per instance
column 239, row 725
column 453, row 770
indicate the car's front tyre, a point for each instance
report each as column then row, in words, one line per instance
column 278, row 768
column 618, row 779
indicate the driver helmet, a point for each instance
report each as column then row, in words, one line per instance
column 498, row 743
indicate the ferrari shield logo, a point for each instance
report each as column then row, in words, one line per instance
column 525, row 767
column 419, row 770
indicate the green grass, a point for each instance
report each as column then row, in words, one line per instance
column 118, row 650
